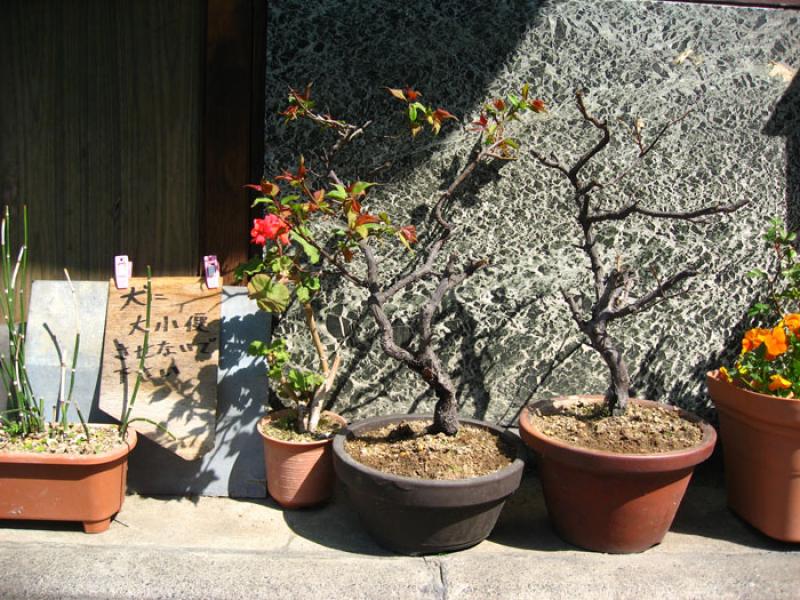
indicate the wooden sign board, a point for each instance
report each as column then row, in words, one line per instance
column 179, row 387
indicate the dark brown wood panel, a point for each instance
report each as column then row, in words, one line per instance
column 234, row 125
column 100, row 131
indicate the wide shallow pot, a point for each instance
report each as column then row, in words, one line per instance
column 299, row 474
column 761, row 448
column 420, row 516
column 611, row 502
column 65, row 487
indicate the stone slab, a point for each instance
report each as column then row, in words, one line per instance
column 177, row 395
column 235, row 465
column 51, row 320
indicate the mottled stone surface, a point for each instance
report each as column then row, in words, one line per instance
column 506, row 335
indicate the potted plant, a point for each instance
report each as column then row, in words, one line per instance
column 757, row 402
column 308, row 232
column 614, row 469
column 55, row 470
column 412, row 508
column 297, row 438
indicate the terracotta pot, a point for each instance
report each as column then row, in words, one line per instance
column 51, row 487
column 420, row 516
column 761, row 448
column 611, row 502
column 298, row 473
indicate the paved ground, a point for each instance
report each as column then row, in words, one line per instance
column 220, row 548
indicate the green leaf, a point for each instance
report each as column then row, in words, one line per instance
column 258, row 201
column 312, row 283
column 303, row 294
column 513, row 143
column 270, row 296
column 756, row 274
column 310, row 251
column 251, row 267
column 282, row 264
column 337, row 193
column 257, row 348
column 359, row 187
column 412, row 113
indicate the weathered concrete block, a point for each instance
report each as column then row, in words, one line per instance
column 51, row 329
column 235, row 466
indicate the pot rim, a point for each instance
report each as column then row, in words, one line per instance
column 73, row 459
column 650, row 462
column 295, row 444
column 373, row 422
column 714, row 375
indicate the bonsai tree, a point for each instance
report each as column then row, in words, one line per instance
column 610, row 298
column 359, row 228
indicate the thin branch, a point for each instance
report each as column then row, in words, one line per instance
column 650, row 298
column 602, row 143
column 689, row 215
column 644, row 150
column 311, row 322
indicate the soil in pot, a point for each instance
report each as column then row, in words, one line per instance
column 623, row 496
column 643, row 429
column 406, row 449
column 408, row 510
column 71, row 439
column 298, row 465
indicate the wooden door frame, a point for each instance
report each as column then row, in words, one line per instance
column 233, row 126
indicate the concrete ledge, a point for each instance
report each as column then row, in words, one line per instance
column 223, row 548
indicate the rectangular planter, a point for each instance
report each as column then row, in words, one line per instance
column 49, row 487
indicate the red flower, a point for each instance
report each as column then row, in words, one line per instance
column 499, row 104
column 271, row 227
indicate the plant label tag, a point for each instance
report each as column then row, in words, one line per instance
column 123, row 270
column 211, row 271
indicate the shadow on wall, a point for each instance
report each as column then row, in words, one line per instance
column 785, row 122
column 451, row 51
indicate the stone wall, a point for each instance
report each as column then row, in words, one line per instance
column 506, row 334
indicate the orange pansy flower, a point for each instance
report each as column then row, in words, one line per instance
column 776, row 343
column 776, row 382
column 792, row 322
column 753, row 339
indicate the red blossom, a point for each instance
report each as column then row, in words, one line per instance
column 271, row 227
column 499, row 104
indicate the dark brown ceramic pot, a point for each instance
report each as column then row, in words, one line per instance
column 760, row 437
column 66, row 487
column 419, row 516
column 299, row 474
column 608, row 502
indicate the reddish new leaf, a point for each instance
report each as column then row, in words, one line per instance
column 409, row 233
